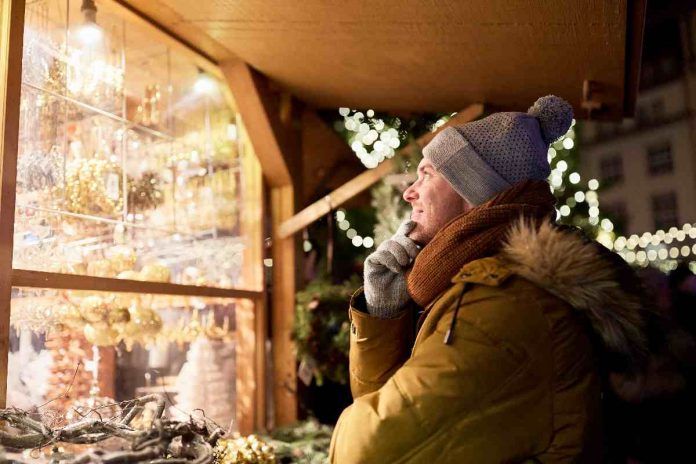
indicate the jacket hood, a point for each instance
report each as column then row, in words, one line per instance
column 585, row 275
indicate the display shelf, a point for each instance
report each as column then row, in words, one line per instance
column 57, row 241
column 132, row 204
column 159, row 134
column 39, row 279
column 55, row 332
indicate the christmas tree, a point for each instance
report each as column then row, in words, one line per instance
column 203, row 389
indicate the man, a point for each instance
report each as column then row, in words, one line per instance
column 500, row 365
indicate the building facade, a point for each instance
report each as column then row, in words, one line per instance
column 646, row 165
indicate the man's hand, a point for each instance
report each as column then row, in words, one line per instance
column 385, row 279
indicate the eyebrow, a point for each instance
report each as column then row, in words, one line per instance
column 423, row 168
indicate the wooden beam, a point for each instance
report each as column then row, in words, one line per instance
column 366, row 179
column 251, row 316
column 252, row 99
column 40, row 279
column 285, row 376
column 11, row 47
column 267, row 120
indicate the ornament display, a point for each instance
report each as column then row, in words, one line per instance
column 143, row 188
column 203, row 389
column 28, row 373
column 244, row 450
column 68, row 379
column 39, row 171
column 145, row 193
column 93, row 187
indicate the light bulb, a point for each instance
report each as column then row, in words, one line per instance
column 89, row 34
column 204, row 85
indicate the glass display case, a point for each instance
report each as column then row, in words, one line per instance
column 128, row 159
column 135, row 246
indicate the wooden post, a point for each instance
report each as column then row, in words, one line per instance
column 264, row 119
column 285, row 374
column 251, row 315
column 11, row 46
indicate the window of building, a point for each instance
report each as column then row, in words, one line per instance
column 660, row 159
column 611, row 169
column 618, row 214
column 664, row 209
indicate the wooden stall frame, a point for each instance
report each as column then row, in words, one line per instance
column 11, row 46
column 249, row 416
column 253, row 101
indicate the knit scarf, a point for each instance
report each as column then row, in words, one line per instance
column 475, row 234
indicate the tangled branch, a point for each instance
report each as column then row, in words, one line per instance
column 165, row 441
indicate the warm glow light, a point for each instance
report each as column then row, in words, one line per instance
column 231, row 131
column 89, row 34
column 204, row 85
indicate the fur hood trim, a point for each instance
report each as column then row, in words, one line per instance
column 579, row 272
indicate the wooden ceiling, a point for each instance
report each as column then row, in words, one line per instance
column 416, row 55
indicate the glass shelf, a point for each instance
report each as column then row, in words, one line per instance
column 62, row 242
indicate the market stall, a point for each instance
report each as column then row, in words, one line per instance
column 138, row 140
column 136, row 226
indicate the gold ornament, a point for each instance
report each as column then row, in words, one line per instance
column 93, row 187
column 155, row 273
column 243, row 450
column 93, row 309
column 101, row 334
column 129, row 275
column 100, row 268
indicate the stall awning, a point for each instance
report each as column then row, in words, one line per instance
column 423, row 55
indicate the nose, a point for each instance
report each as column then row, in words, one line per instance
column 410, row 194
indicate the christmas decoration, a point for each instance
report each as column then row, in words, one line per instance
column 28, row 372
column 68, row 379
column 145, row 192
column 93, row 187
column 163, row 441
column 321, row 329
column 301, row 443
column 243, row 450
column 203, row 389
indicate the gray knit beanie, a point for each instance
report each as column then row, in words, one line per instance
column 482, row 158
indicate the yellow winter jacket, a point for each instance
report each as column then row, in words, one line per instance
column 517, row 383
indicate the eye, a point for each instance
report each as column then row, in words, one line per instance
column 427, row 176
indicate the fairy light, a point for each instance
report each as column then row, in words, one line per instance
column 372, row 140
column 656, row 247
column 352, row 234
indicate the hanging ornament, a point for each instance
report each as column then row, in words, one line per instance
column 145, row 193
column 93, row 187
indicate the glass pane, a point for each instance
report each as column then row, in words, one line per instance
column 127, row 148
column 125, row 345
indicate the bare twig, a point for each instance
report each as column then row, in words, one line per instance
column 67, row 390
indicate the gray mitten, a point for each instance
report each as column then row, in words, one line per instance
column 385, row 278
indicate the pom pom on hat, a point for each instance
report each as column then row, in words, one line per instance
column 555, row 115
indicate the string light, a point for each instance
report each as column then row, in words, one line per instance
column 372, row 140
column 654, row 247
column 352, row 234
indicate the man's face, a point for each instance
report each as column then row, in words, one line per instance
column 434, row 203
